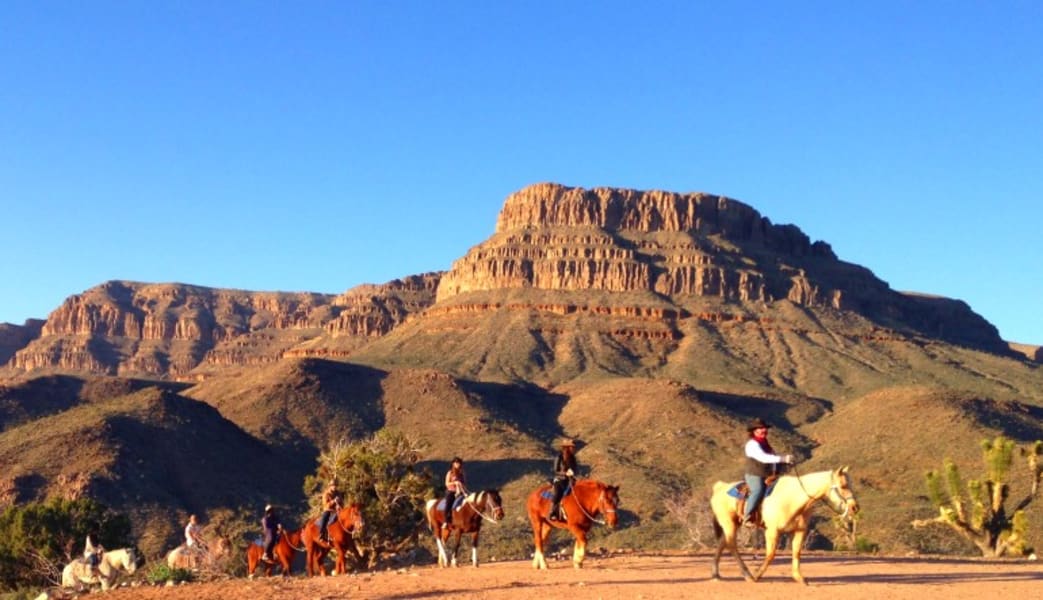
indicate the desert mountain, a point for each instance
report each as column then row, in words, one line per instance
column 651, row 325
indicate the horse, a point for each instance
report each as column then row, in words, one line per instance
column 785, row 510
column 199, row 557
column 476, row 507
column 77, row 574
column 288, row 543
column 588, row 499
column 348, row 522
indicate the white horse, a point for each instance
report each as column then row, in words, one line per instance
column 77, row 574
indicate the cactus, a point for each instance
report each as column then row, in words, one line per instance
column 980, row 515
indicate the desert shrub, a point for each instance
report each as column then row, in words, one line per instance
column 161, row 573
column 37, row 539
column 381, row 474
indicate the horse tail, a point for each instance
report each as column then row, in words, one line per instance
column 718, row 531
column 429, row 513
column 718, row 488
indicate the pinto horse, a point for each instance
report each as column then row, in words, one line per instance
column 340, row 530
column 77, row 574
column 482, row 506
column 588, row 499
column 200, row 556
column 785, row 510
column 289, row 542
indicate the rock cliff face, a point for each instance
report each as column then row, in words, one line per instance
column 167, row 330
column 686, row 247
column 15, row 337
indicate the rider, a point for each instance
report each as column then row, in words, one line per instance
column 330, row 506
column 194, row 535
column 92, row 552
column 759, row 460
column 272, row 527
column 455, row 484
column 564, row 474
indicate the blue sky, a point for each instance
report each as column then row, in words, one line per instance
column 320, row 145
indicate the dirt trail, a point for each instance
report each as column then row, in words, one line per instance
column 643, row 576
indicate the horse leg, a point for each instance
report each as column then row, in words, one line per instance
column 443, row 557
column 540, row 533
column 798, row 543
column 456, row 545
column 474, row 548
column 771, row 540
column 579, row 550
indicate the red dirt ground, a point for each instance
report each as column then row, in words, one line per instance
column 645, row 576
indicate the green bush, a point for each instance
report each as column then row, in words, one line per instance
column 39, row 537
column 381, row 474
column 161, row 573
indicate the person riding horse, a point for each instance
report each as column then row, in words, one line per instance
column 564, row 475
column 455, row 485
column 330, row 505
column 194, row 541
column 272, row 527
column 92, row 552
column 761, row 462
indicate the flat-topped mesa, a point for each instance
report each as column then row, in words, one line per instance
column 614, row 209
column 554, row 237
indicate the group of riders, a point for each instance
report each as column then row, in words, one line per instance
column 761, row 463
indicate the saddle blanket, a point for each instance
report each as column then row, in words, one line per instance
column 548, row 494
column 457, row 503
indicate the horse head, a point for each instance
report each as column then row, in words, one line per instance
column 350, row 518
column 840, row 492
column 126, row 559
column 491, row 501
column 608, row 502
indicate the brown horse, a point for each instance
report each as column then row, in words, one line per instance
column 348, row 521
column 286, row 546
column 482, row 506
column 588, row 499
column 785, row 510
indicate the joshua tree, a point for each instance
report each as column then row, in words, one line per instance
column 982, row 516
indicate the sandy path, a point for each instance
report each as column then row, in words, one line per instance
column 642, row 576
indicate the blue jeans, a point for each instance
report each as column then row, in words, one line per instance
column 756, row 484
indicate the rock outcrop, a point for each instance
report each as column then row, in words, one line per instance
column 167, row 330
column 687, row 247
column 15, row 337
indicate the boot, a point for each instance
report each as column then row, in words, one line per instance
column 555, row 513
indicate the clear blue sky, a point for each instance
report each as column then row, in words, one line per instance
column 320, row 145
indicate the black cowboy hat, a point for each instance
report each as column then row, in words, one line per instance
column 758, row 423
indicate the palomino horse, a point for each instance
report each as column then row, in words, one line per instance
column 785, row 510
column 588, row 499
column 482, row 506
column 289, row 542
column 340, row 530
column 77, row 574
column 197, row 557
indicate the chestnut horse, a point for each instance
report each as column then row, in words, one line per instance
column 588, row 499
column 785, row 510
column 286, row 546
column 348, row 521
column 482, row 506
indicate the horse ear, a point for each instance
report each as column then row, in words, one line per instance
column 844, row 469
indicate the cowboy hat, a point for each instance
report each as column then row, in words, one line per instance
column 758, row 423
column 568, row 442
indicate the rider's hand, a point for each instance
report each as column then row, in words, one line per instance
column 569, row 473
column 787, row 458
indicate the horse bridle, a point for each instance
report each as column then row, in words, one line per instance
column 833, row 488
column 481, row 513
column 599, row 503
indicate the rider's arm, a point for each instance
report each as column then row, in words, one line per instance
column 754, row 451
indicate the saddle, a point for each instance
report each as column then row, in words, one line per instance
column 741, row 491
